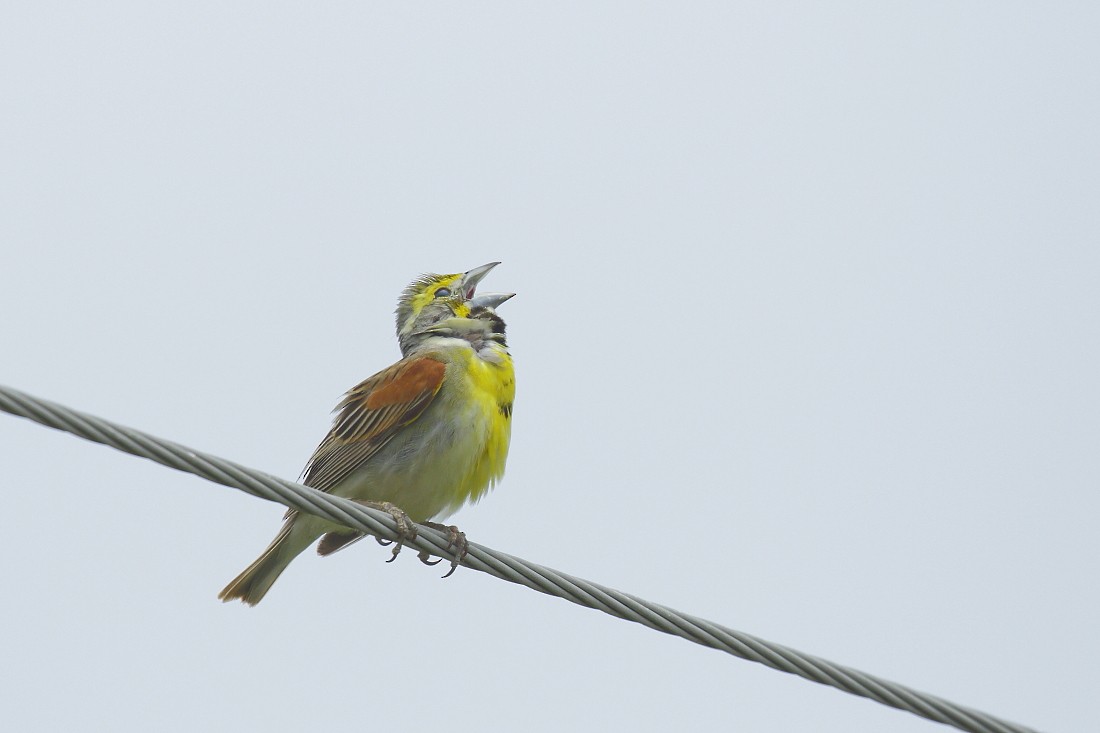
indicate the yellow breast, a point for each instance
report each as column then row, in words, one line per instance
column 487, row 386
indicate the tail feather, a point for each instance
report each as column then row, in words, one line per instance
column 255, row 581
column 333, row 541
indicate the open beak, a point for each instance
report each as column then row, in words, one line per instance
column 471, row 278
column 489, row 300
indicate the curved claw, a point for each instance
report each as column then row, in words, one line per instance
column 406, row 528
column 456, row 539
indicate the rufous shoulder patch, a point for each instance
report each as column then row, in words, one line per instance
column 409, row 382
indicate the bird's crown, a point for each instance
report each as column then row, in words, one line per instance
column 424, row 291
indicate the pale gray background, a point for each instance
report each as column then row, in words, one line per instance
column 806, row 338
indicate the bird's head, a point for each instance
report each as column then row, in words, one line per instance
column 431, row 300
column 430, row 288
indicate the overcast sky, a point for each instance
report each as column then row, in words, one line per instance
column 807, row 338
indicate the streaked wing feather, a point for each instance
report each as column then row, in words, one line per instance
column 370, row 415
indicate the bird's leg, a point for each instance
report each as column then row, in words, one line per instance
column 456, row 540
column 406, row 527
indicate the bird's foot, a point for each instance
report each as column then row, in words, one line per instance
column 406, row 527
column 457, row 540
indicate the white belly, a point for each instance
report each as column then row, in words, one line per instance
column 425, row 469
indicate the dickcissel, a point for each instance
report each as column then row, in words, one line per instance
column 422, row 437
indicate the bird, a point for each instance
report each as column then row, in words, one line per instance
column 421, row 438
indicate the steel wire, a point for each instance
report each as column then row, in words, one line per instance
column 504, row 566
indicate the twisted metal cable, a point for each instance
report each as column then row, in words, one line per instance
column 504, row 566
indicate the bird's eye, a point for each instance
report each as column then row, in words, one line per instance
column 443, row 293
